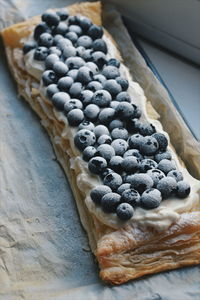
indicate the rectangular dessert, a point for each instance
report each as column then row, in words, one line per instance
column 136, row 200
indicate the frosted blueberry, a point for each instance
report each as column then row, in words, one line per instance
column 98, row 192
column 151, row 198
column 113, row 180
column 120, row 146
column 124, row 211
column 84, row 138
column 109, row 202
column 166, row 165
column 97, row 165
column 167, row 186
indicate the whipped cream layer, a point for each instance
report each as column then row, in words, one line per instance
column 169, row 210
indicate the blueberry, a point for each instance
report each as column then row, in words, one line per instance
column 73, row 20
column 93, row 67
column 106, row 172
column 120, row 146
column 75, row 89
column 85, row 23
column 75, row 117
column 133, row 152
column 100, row 130
column 73, row 74
column 84, row 138
column 119, row 133
column 63, row 14
column 51, row 90
column 39, row 29
column 113, row 62
column 177, row 175
column 95, row 32
column 80, row 51
column 84, row 75
column 106, row 115
column 123, row 96
column 60, row 68
column 133, row 125
column 50, row 61
column 84, row 41
column 124, row 211
column 147, row 164
column 49, row 77
column 102, row 98
column 91, row 112
column 113, row 180
column 89, row 152
column 72, row 36
column 87, row 55
column 167, row 186
column 94, row 86
column 99, row 58
column 112, row 87
column 51, row 18
column 110, row 72
column 74, row 62
column 166, row 165
column 162, row 140
column 97, row 165
column 59, row 99
column 86, row 125
column 131, row 197
column 72, row 104
column 156, row 175
column 106, row 151
column 183, row 189
column 98, row 192
column 151, row 198
column 163, row 155
column 146, row 129
column 114, row 104
column 123, row 187
column 109, row 202
column 135, row 141
column 104, row 139
column 65, row 83
column 137, row 112
column 116, row 163
column 149, row 145
column 28, row 47
column 69, row 51
column 41, row 53
column 75, row 28
column 100, row 78
column 123, row 83
column 61, row 29
column 55, row 50
column 140, row 182
column 130, row 164
column 62, row 43
column 57, row 38
column 124, row 110
column 116, row 124
column 100, row 45
column 86, row 97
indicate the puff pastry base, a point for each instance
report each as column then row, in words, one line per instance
column 129, row 252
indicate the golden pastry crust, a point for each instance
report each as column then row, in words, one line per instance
column 131, row 251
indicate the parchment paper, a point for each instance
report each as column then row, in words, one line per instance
column 44, row 252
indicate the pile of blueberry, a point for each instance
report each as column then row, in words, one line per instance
column 131, row 158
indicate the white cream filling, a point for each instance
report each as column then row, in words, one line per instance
column 159, row 218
